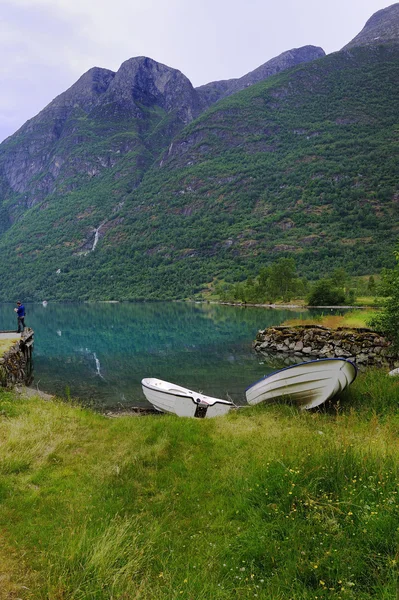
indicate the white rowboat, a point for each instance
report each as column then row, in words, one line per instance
column 308, row 385
column 171, row 398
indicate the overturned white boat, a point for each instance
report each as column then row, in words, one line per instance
column 307, row 385
column 171, row 398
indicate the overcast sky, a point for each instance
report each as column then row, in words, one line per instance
column 47, row 44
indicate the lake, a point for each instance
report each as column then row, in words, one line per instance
column 99, row 352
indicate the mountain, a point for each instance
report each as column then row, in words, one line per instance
column 103, row 118
column 127, row 187
column 381, row 28
column 212, row 92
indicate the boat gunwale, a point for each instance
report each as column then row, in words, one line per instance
column 217, row 400
column 342, row 359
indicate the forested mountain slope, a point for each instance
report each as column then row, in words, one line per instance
column 304, row 164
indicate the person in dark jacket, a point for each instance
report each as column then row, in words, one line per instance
column 20, row 310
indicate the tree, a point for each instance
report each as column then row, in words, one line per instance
column 340, row 278
column 371, row 286
column 387, row 322
column 282, row 280
column 324, row 293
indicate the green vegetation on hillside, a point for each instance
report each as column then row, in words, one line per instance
column 387, row 321
column 265, row 503
column 304, row 165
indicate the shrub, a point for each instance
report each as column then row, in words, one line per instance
column 324, row 293
column 387, row 321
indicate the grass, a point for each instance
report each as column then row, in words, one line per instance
column 356, row 318
column 6, row 344
column 264, row 503
column 368, row 301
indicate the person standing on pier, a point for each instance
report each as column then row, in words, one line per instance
column 20, row 310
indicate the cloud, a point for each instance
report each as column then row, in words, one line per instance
column 37, row 60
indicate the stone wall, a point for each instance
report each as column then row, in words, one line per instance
column 16, row 363
column 294, row 344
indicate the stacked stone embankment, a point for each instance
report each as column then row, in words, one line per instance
column 294, row 344
column 16, row 363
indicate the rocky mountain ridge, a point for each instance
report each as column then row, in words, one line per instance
column 137, row 110
column 125, row 108
column 214, row 91
column 381, row 28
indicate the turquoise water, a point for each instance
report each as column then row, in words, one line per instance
column 99, row 353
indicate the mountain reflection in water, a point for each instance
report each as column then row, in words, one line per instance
column 99, row 352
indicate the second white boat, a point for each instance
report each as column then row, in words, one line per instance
column 171, row 398
column 307, row 385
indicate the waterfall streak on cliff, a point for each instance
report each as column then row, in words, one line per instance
column 96, row 232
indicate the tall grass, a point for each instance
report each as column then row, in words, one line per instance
column 6, row 344
column 355, row 318
column 264, row 503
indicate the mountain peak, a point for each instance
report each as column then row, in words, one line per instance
column 381, row 28
column 211, row 92
column 147, row 82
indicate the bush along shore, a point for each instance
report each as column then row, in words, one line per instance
column 267, row 502
column 294, row 344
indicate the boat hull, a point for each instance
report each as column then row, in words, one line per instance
column 171, row 398
column 307, row 385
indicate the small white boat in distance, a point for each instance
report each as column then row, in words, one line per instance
column 307, row 385
column 170, row 398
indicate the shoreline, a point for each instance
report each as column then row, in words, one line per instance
column 134, row 411
column 288, row 306
column 203, row 301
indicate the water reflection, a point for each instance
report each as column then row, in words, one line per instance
column 100, row 352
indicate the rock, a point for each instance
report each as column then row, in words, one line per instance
column 394, row 373
column 362, row 346
column 381, row 28
column 327, row 349
column 362, row 358
column 342, row 353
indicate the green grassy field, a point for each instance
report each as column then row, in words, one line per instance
column 6, row 344
column 355, row 318
column 369, row 301
column 264, row 503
